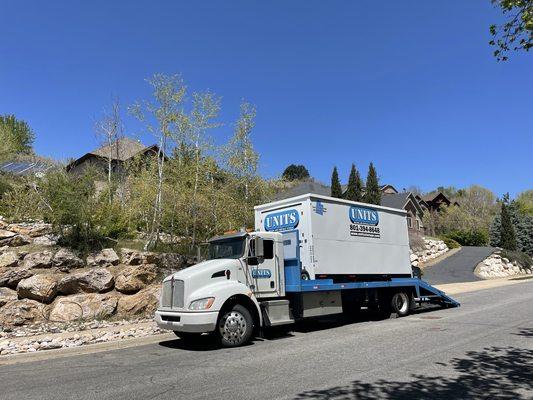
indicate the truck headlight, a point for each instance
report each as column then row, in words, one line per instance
column 202, row 304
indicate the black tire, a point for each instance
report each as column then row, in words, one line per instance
column 401, row 303
column 235, row 326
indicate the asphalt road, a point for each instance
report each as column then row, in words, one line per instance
column 484, row 349
column 458, row 267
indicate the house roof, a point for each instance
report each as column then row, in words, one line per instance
column 304, row 187
column 432, row 196
column 383, row 187
column 121, row 150
column 421, row 200
column 400, row 200
column 396, row 200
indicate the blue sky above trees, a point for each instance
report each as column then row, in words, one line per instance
column 411, row 86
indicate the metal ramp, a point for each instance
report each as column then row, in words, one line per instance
column 429, row 294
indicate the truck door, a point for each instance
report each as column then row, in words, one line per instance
column 266, row 274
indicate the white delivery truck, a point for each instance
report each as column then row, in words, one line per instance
column 309, row 256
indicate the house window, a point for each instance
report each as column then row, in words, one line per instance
column 409, row 222
column 418, row 225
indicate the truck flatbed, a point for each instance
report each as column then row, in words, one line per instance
column 424, row 291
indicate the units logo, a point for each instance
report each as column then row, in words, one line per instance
column 261, row 273
column 364, row 222
column 363, row 215
column 282, row 221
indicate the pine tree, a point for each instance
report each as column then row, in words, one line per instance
column 508, row 237
column 373, row 193
column 354, row 192
column 336, row 189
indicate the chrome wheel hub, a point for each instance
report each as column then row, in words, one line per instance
column 233, row 326
column 401, row 302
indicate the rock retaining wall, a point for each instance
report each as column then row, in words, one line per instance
column 496, row 266
column 41, row 282
column 432, row 248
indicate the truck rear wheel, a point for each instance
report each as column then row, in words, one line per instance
column 235, row 326
column 401, row 303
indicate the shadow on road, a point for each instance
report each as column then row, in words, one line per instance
column 209, row 342
column 493, row 373
column 527, row 332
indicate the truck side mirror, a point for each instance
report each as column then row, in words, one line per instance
column 258, row 248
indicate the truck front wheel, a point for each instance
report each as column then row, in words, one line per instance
column 235, row 326
column 401, row 303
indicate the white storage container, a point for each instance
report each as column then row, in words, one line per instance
column 340, row 237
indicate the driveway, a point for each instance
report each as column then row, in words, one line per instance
column 481, row 350
column 458, row 267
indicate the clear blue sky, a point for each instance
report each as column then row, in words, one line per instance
column 410, row 85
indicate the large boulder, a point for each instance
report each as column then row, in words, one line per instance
column 82, row 306
column 9, row 259
column 7, row 295
column 18, row 240
column 5, row 235
column 131, row 257
column 103, row 258
column 13, row 239
column 21, row 312
column 66, row 259
column 46, row 240
column 42, row 288
column 136, row 277
column 10, row 277
column 41, row 259
column 93, row 280
column 144, row 302
column 173, row 261
column 31, row 229
column 135, row 257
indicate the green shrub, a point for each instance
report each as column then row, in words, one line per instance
column 83, row 219
column 518, row 256
column 474, row 237
column 451, row 243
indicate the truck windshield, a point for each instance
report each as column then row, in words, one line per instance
column 226, row 248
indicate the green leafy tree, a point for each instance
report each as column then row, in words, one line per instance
column 162, row 118
column 16, row 137
column 354, row 192
column 525, row 202
column 243, row 159
column 336, row 189
column 516, row 33
column 507, row 233
column 373, row 193
column 295, row 173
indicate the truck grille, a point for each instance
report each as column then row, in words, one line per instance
column 172, row 294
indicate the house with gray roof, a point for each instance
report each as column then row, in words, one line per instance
column 408, row 202
column 120, row 152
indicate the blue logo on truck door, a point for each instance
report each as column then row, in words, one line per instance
column 281, row 221
column 363, row 215
column 261, row 273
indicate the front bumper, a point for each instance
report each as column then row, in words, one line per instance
column 199, row 322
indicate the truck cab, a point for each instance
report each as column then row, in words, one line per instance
column 222, row 293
